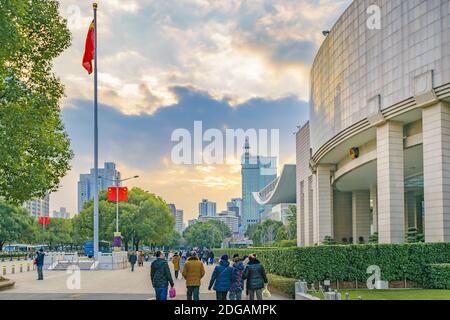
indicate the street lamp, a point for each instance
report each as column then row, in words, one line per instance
column 117, row 182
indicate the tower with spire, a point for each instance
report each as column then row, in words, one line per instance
column 254, row 178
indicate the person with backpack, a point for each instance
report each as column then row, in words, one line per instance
column 161, row 276
column 237, row 279
column 221, row 278
column 256, row 278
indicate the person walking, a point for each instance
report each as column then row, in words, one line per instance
column 256, row 278
column 221, row 278
column 160, row 276
column 140, row 259
column 132, row 259
column 211, row 257
column 193, row 272
column 176, row 264
column 237, row 279
column 182, row 262
column 205, row 256
column 40, row 255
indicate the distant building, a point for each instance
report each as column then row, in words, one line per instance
column 62, row 213
column 279, row 193
column 106, row 178
column 227, row 217
column 38, row 207
column 257, row 172
column 207, row 208
column 179, row 221
column 192, row 222
column 173, row 208
column 279, row 212
column 235, row 205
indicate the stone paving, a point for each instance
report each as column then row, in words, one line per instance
column 98, row 285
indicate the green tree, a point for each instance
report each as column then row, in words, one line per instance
column 266, row 233
column 15, row 224
column 34, row 147
column 291, row 231
column 145, row 218
column 205, row 234
column 58, row 232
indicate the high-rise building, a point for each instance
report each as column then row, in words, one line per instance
column 179, row 221
column 38, row 207
column 62, row 213
column 207, row 208
column 173, row 208
column 235, row 205
column 106, row 178
column 227, row 217
column 257, row 172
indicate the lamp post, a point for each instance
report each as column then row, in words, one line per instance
column 117, row 182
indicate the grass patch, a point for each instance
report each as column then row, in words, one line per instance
column 394, row 294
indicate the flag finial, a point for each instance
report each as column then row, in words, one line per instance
column 95, row 5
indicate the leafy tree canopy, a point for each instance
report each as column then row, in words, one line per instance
column 34, row 147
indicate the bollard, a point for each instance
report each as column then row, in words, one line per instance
column 21, row 268
column 347, row 296
column 4, row 270
column 13, row 269
column 28, row 266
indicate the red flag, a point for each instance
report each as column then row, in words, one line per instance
column 123, row 194
column 89, row 50
column 44, row 220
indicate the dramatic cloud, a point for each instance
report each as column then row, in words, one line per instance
column 164, row 64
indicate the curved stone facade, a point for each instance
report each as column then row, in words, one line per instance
column 356, row 67
column 373, row 163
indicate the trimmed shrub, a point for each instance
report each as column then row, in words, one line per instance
column 286, row 243
column 349, row 263
column 438, row 276
column 284, row 286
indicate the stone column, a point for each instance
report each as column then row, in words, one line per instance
column 390, row 180
column 374, row 199
column 361, row 215
column 436, row 162
column 301, row 214
column 324, row 203
column 342, row 215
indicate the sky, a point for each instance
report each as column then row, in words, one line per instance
column 164, row 64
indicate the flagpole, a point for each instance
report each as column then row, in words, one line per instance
column 96, row 249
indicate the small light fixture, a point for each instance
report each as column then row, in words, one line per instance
column 326, row 33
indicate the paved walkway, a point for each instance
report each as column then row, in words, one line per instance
column 98, row 285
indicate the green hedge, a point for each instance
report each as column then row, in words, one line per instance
column 349, row 263
column 286, row 286
column 438, row 276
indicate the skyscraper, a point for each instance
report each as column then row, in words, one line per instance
column 179, row 221
column 38, row 207
column 106, row 178
column 257, row 172
column 207, row 208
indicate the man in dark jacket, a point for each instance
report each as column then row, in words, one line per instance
column 132, row 259
column 40, row 263
column 221, row 278
column 256, row 277
column 161, row 276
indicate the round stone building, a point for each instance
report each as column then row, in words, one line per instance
column 375, row 155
